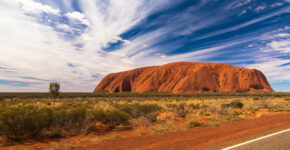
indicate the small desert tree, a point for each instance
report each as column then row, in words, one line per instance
column 54, row 90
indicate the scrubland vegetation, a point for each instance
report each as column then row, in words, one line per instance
column 37, row 118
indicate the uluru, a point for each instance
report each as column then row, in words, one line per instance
column 186, row 78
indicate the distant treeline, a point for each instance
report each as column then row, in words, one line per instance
column 130, row 94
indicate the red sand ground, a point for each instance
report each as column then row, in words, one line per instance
column 202, row 137
column 186, row 77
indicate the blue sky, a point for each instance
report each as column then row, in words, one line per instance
column 78, row 42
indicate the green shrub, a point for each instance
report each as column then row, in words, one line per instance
column 172, row 106
column 115, row 118
column 152, row 117
column 136, row 110
column 180, row 110
column 236, row 104
column 72, row 120
column 40, row 119
column 20, row 123
column 97, row 115
column 255, row 98
column 224, row 109
column 129, row 109
column 193, row 124
column 233, row 117
column 212, row 109
column 194, row 107
column 148, row 108
column 225, row 106
column 91, row 118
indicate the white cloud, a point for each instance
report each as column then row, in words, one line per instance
column 238, row 4
column 77, row 16
column 126, row 42
column 276, row 4
column 260, row 8
column 251, row 45
column 243, row 12
column 64, row 27
column 282, row 45
column 282, row 35
column 32, row 6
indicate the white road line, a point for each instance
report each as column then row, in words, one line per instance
column 228, row 148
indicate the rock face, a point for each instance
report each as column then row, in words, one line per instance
column 186, row 77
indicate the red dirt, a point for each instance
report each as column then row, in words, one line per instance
column 186, row 77
column 202, row 137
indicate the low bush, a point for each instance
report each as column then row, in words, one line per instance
column 136, row 111
column 233, row 117
column 129, row 109
column 224, row 109
column 193, row 124
column 172, row 105
column 236, row 104
column 152, row 117
column 212, row 109
column 97, row 115
column 148, row 108
column 225, row 106
column 264, row 104
column 115, row 118
column 20, row 123
column 180, row 110
column 194, row 107
column 255, row 98
column 71, row 121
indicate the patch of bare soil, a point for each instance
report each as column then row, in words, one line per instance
column 202, row 137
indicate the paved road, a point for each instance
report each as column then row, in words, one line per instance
column 276, row 142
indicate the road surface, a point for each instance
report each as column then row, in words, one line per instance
column 276, row 141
